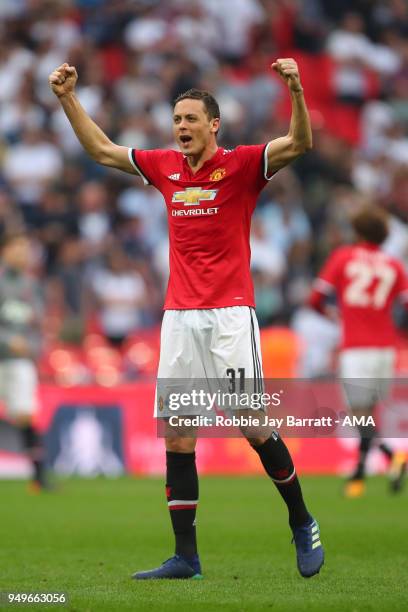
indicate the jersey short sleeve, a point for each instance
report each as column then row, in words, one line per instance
column 148, row 165
column 330, row 275
column 254, row 162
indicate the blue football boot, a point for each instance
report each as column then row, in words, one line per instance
column 175, row 568
column 309, row 549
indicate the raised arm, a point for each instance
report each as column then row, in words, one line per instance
column 298, row 140
column 92, row 138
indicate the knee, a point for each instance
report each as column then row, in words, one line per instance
column 255, row 434
column 258, row 441
column 363, row 411
column 180, row 445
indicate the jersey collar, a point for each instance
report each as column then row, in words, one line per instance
column 370, row 246
column 214, row 159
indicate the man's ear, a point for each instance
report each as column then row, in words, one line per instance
column 215, row 125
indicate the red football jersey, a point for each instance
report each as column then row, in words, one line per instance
column 209, row 218
column 366, row 281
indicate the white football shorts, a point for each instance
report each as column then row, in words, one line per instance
column 366, row 375
column 214, row 345
column 18, row 387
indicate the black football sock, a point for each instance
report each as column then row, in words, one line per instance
column 182, row 499
column 367, row 434
column 388, row 452
column 34, row 448
column 279, row 466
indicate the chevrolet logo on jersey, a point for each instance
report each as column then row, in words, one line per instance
column 192, row 196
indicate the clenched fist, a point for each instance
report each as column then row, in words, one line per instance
column 63, row 79
column 288, row 71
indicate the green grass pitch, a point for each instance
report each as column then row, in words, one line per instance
column 89, row 537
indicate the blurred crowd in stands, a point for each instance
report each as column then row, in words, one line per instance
column 100, row 240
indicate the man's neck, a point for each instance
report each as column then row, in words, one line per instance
column 367, row 244
column 196, row 162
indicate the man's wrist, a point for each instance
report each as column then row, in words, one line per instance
column 66, row 95
column 297, row 89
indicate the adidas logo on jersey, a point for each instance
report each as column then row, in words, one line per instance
column 174, row 177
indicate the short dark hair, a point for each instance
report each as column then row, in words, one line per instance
column 371, row 224
column 210, row 103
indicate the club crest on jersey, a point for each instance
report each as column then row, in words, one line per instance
column 218, row 174
column 192, row 196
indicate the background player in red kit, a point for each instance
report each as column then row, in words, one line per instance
column 366, row 281
column 209, row 326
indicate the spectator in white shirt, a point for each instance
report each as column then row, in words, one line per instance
column 120, row 294
column 31, row 166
